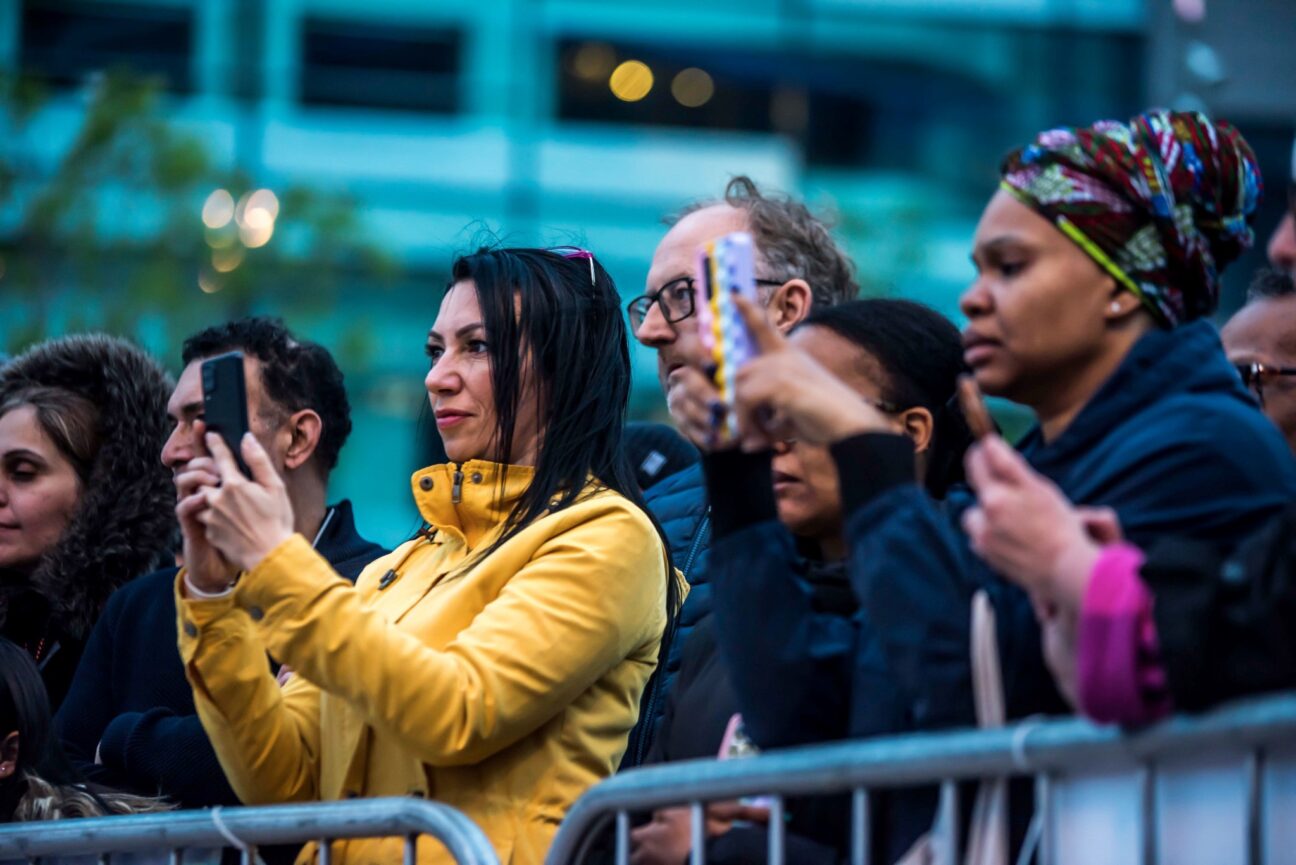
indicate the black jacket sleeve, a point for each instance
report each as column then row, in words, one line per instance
column 163, row 753
column 915, row 577
column 790, row 666
column 1225, row 624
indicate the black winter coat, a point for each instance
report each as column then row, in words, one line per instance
column 1225, row 624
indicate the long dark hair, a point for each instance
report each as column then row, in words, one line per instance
column 44, row 785
column 564, row 314
column 921, row 355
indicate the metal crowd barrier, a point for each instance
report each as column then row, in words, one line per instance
column 1087, row 781
column 168, row 835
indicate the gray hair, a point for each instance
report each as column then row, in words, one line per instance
column 792, row 241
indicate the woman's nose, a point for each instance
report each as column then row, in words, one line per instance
column 442, row 377
column 976, row 299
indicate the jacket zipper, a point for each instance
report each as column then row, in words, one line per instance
column 645, row 740
column 456, row 489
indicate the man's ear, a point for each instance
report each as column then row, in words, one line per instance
column 789, row 304
column 9, row 755
column 305, row 427
column 920, row 426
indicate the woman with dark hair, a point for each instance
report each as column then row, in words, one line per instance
column 496, row 661
column 85, row 505
column 36, row 780
column 772, row 663
column 1098, row 260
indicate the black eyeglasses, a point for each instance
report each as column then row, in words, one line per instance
column 676, row 299
column 1257, row 375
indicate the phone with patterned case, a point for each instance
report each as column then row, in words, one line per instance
column 726, row 268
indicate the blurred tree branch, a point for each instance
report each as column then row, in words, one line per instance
column 109, row 233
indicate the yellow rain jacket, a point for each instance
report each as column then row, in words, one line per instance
column 505, row 691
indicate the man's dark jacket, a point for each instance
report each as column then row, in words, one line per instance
column 130, row 699
column 679, row 503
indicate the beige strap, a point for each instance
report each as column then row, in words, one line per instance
column 987, row 842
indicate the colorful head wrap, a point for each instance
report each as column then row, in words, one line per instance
column 1162, row 203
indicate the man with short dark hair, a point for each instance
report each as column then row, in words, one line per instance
column 798, row 264
column 129, row 719
column 1260, row 340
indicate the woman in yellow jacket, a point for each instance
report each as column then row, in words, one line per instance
column 494, row 663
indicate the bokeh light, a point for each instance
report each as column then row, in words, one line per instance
column 255, row 214
column 226, row 260
column 692, row 87
column 593, row 61
column 631, row 81
column 208, row 283
column 256, row 236
column 218, row 209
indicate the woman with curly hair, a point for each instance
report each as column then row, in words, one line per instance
column 85, row 504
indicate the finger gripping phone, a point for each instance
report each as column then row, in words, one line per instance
column 225, row 402
column 725, row 269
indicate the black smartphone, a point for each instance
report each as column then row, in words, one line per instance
column 225, row 402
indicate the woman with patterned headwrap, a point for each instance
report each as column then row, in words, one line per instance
column 1097, row 260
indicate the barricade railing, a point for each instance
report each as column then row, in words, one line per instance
column 1065, row 754
column 170, row 834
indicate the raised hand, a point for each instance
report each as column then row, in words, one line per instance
column 1028, row 531
column 245, row 518
column 695, row 405
column 206, row 568
column 784, row 393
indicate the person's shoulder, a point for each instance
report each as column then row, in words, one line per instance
column 603, row 504
column 687, row 486
column 1221, row 422
column 145, row 589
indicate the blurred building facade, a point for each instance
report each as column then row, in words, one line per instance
column 586, row 121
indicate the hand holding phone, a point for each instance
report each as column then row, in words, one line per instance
column 726, row 269
column 225, row 402
column 974, row 408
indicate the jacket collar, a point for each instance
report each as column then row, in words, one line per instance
column 1163, row 363
column 469, row 500
column 341, row 543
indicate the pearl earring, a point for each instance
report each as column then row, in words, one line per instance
column 1115, row 306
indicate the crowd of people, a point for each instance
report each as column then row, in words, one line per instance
column 585, row 596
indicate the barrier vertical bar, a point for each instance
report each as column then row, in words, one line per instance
column 325, row 852
column 411, row 850
column 175, row 856
column 247, row 855
column 623, row 838
column 949, row 817
column 1148, row 814
column 860, row 840
column 1255, row 811
column 1046, row 854
column 697, row 834
column 777, row 831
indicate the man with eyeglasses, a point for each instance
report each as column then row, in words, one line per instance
column 1261, row 342
column 798, row 265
